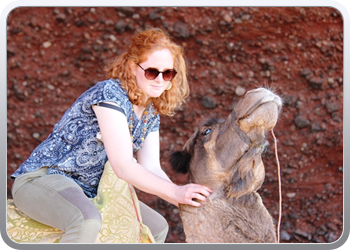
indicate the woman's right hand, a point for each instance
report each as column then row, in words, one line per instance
column 187, row 193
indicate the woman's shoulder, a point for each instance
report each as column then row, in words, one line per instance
column 110, row 90
column 111, row 85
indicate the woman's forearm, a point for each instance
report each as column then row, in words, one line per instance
column 154, row 183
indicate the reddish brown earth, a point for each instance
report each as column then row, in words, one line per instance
column 54, row 54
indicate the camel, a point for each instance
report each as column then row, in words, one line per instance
column 225, row 155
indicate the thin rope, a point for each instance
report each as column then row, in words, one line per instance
column 279, row 188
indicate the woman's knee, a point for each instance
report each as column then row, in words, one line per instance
column 155, row 222
column 86, row 224
column 160, row 237
column 82, row 231
column 85, row 205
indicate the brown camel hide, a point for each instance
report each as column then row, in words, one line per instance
column 225, row 155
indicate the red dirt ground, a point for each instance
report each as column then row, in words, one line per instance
column 54, row 54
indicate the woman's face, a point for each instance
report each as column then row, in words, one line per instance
column 160, row 60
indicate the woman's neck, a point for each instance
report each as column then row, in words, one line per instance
column 139, row 110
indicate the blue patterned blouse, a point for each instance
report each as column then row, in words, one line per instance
column 72, row 149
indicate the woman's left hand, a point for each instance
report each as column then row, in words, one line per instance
column 189, row 193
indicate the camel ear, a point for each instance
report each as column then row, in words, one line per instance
column 180, row 161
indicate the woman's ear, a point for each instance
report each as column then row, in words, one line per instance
column 133, row 68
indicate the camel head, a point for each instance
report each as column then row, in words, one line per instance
column 225, row 155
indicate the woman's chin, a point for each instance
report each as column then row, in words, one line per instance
column 155, row 94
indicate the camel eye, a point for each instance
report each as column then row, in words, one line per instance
column 207, row 131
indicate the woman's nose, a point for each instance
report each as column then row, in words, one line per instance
column 159, row 77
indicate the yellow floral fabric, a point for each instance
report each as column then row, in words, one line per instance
column 116, row 204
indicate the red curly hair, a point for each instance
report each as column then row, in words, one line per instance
column 143, row 44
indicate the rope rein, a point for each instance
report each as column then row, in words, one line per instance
column 279, row 188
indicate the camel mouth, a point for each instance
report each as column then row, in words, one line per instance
column 255, row 99
column 278, row 103
column 254, row 116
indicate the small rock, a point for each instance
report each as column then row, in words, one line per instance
column 336, row 117
column 154, row 15
column 331, row 80
column 284, row 235
column 47, row 44
column 310, row 211
column 240, row 91
column 301, row 233
column 246, row 17
column 318, row 44
column 317, row 82
column 323, row 229
column 50, row 87
column 227, row 18
column 17, row 156
column 330, row 237
column 13, row 166
column 36, row 135
column 306, row 73
column 239, row 74
column 10, row 52
column 61, row 17
column 181, row 30
column 287, row 225
column 332, row 226
column 251, row 74
column 332, row 107
column 262, row 60
column 78, row 22
column 97, row 47
column 318, row 240
column 291, row 195
column 113, row 38
column 290, row 100
column 209, row 102
column 265, row 73
column 100, row 42
column 65, row 73
column 301, row 122
column 86, row 35
column 292, row 165
column 316, row 127
column 120, row 26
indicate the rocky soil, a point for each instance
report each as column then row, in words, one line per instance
column 54, row 54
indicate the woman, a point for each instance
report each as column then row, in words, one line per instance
column 112, row 120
